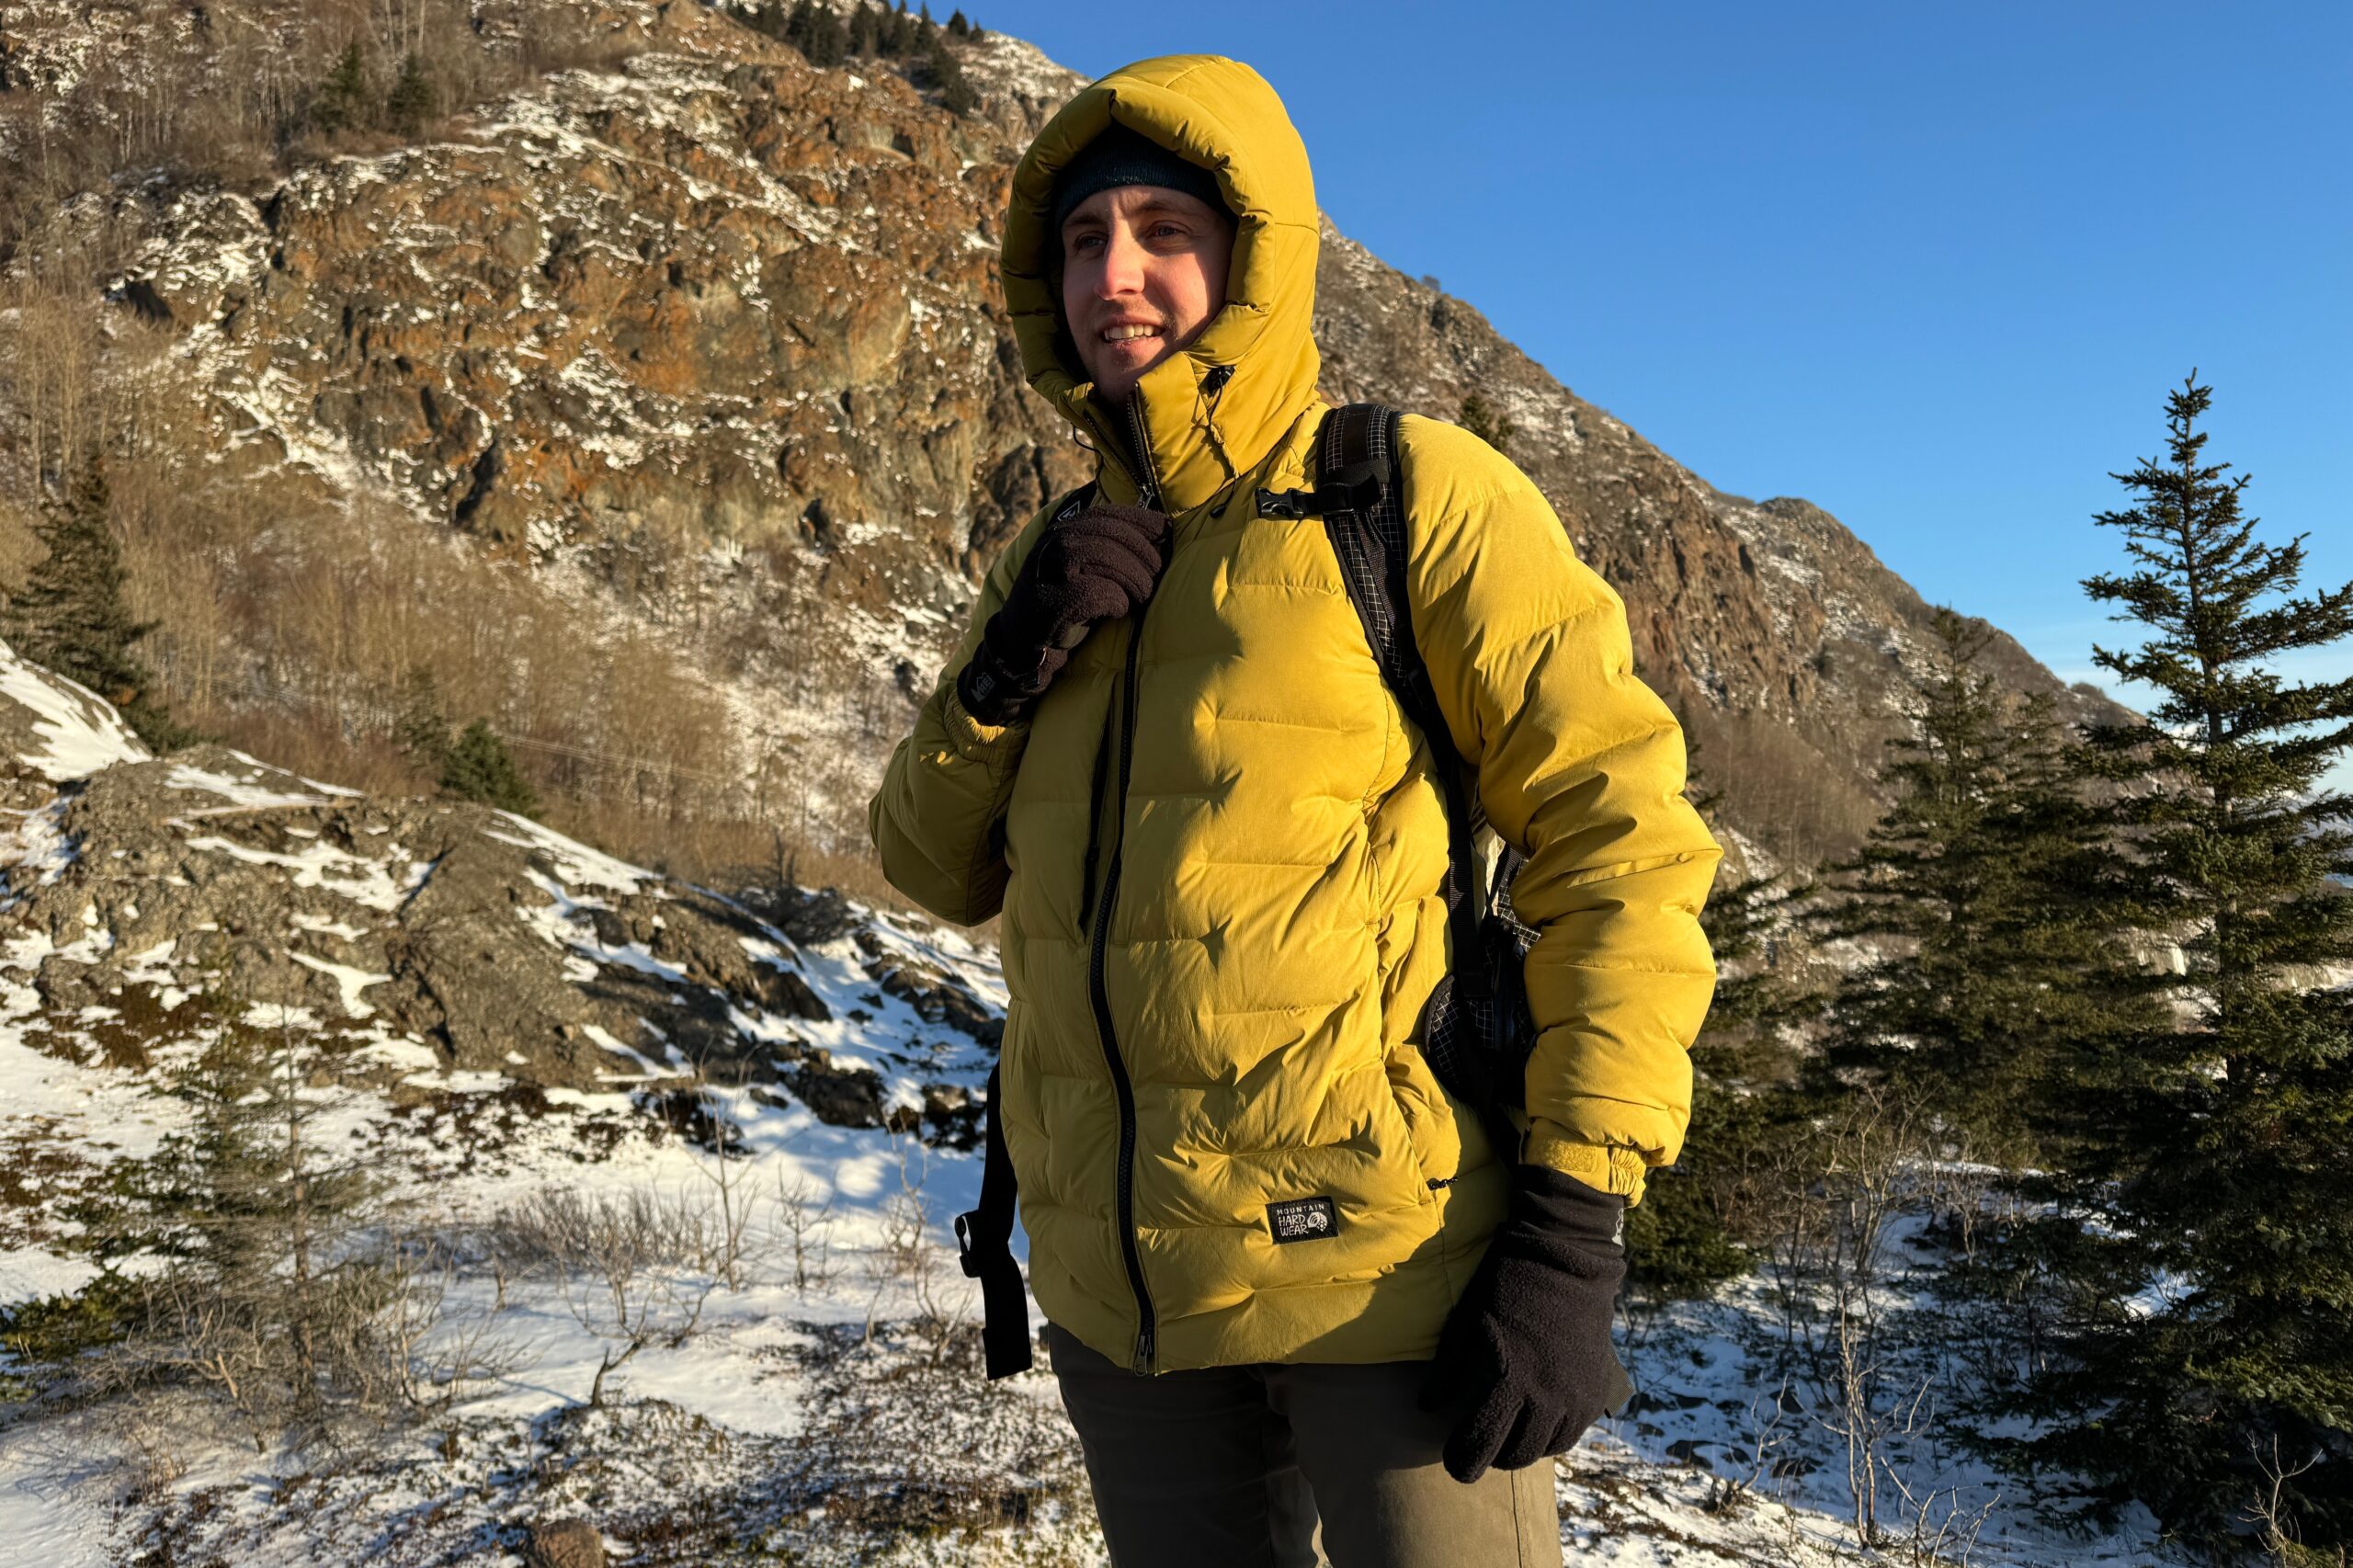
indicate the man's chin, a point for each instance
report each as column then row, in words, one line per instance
column 1113, row 384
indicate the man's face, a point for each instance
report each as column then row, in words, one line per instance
column 1143, row 270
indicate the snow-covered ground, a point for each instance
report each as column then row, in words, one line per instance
column 810, row 1390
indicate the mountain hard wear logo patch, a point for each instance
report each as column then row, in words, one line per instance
column 1303, row 1220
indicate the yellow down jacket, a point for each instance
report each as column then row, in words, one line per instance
column 1216, row 841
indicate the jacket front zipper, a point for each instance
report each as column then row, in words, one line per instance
column 1148, row 494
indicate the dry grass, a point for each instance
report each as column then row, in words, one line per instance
column 1803, row 812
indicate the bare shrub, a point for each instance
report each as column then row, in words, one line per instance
column 807, row 1226
column 908, row 1259
column 2274, row 1520
column 634, row 1267
column 1940, row 1536
column 723, row 1165
column 1730, row 1493
column 154, row 1450
column 439, row 1356
column 1846, row 1325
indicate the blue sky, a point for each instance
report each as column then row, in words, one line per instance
column 1933, row 268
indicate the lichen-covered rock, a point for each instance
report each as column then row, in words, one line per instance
column 562, row 1544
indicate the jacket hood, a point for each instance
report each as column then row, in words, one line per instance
column 1211, row 411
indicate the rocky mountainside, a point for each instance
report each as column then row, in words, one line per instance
column 710, row 341
column 470, row 965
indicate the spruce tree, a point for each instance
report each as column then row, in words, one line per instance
column 71, row 616
column 479, row 768
column 2203, row 1345
column 420, row 722
column 412, row 101
column 1485, row 421
column 798, row 26
column 341, row 102
column 941, row 69
column 262, row 1301
column 827, row 45
column 956, row 25
column 1984, row 899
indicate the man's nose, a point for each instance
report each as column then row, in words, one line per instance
column 1123, row 261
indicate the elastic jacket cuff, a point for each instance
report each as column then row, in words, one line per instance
column 1607, row 1167
column 975, row 741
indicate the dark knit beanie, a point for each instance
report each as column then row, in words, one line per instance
column 1121, row 156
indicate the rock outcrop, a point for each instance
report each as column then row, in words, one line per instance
column 430, row 947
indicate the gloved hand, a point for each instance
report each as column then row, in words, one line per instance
column 1524, row 1364
column 1097, row 566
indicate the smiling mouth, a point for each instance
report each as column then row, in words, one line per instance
column 1130, row 333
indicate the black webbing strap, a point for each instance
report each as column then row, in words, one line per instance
column 984, row 1243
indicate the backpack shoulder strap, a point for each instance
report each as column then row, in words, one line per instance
column 1361, row 494
column 1360, row 490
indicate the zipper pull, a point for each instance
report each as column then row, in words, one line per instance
column 1147, row 482
column 1143, row 1362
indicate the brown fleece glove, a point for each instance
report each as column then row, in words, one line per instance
column 1097, row 566
column 1524, row 1364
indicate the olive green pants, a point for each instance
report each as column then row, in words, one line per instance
column 1289, row 1466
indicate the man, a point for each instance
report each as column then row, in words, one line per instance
column 1286, row 1276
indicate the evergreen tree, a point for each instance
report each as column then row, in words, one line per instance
column 1982, row 898
column 798, row 27
column 2203, row 1339
column 863, row 33
column 412, row 101
column 479, row 768
column 941, row 69
column 827, row 43
column 262, row 1301
column 420, row 723
column 341, row 102
column 1487, row 422
column 956, row 25
column 71, row 616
